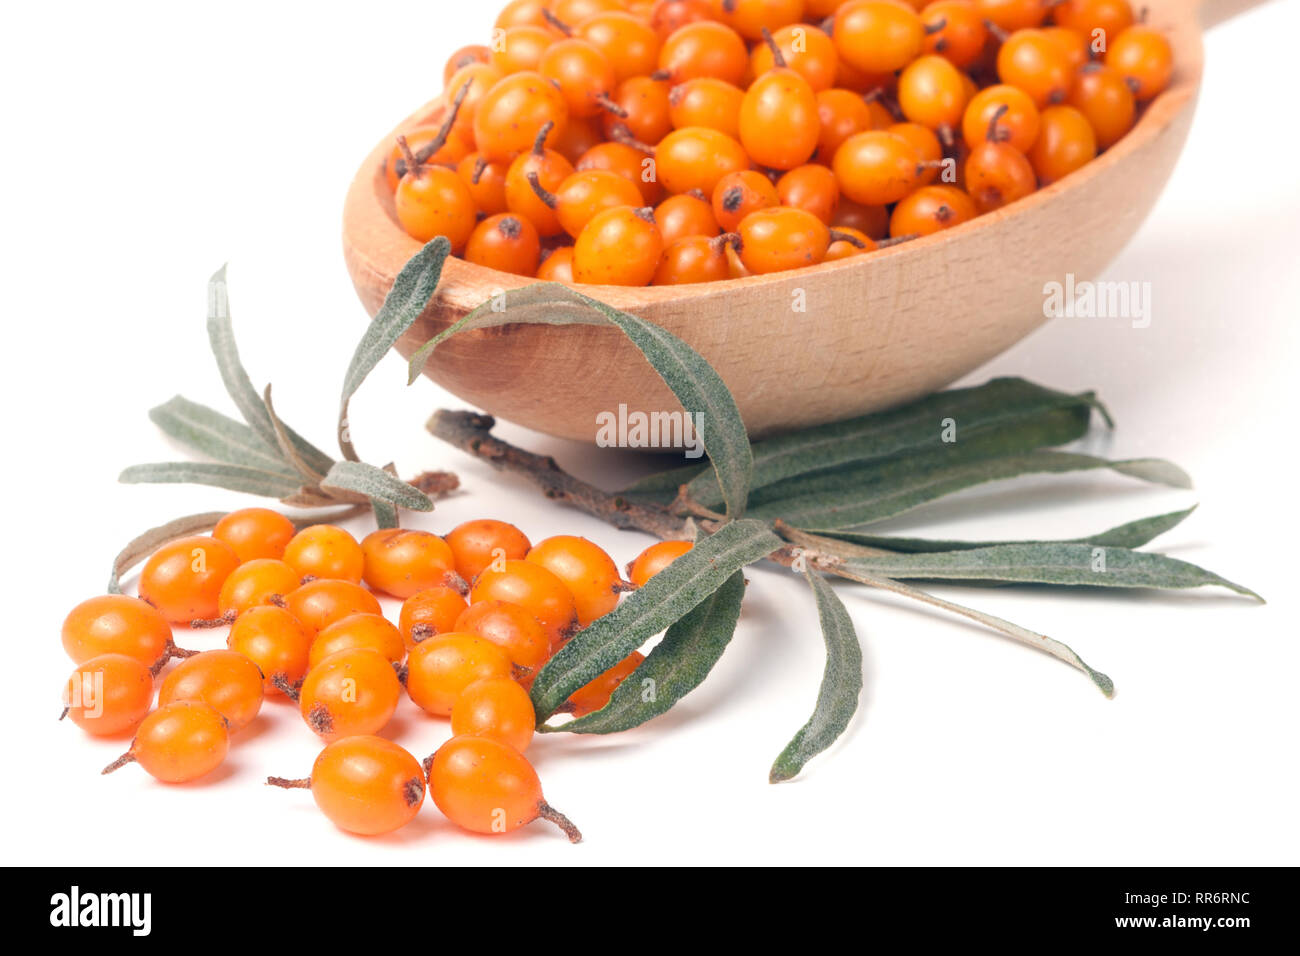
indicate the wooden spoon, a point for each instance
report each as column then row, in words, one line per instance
column 878, row 329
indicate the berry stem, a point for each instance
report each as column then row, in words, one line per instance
column 837, row 236
column 552, row 815
column 289, row 783
column 281, row 683
column 778, row 58
column 120, row 762
column 556, row 22
column 609, row 106
column 544, row 194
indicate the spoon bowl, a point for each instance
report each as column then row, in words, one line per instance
column 812, row 345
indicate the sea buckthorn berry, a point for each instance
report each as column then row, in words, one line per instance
column 704, row 48
column 630, row 44
column 579, row 11
column 931, row 209
column 735, row 266
column 1065, row 142
column 1017, row 123
column 535, row 589
column 583, row 75
column 434, row 201
column 447, row 149
column 1144, row 58
column 440, row 668
column 351, row 692
column 512, row 629
column 401, row 562
column 750, row 18
column 774, row 240
column 524, row 12
column 955, row 30
column 876, row 168
column 931, row 92
column 1103, row 96
column 579, row 136
column 841, row 114
column 372, row 632
column 225, row 680
column 116, row 624
column 253, row 583
column 275, row 641
column 852, row 242
column 708, row 102
column 325, row 551
column 820, row 9
column 485, row 181
column 433, row 611
column 468, row 87
column 465, row 56
column 654, row 559
column 183, row 579
column 870, row 220
column 512, row 114
column 812, row 188
column 739, row 194
column 550, row 169
column 255, row 533
column 318, row 604
column 485, row 786
column 998, row 173
column 1012, row 15
column 108, row 694
column 644, row 110
column 478, row 543
column 928, row 148
column 1072, row 43
column 1111, row 17
column 668, row 15
column 507, row 243
column 179, row 742
column 364, row 784
column 633, row 164
column 587, row 571
column 587, row 193
column 557, row 265
column 593, row 696
column 521, row 48
column 877, row 36
column 779, row 122
column 619, row 246
column 497, row 708
column 689, row 214
column 807, row 50
column 696, row 157
column 1032, row 61
column 694, row 259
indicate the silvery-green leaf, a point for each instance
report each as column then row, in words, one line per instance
column 215, row 435
column 251, row 481
column 373, row 482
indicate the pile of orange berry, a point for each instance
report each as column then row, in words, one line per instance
column 483, row 609
column 638, row 142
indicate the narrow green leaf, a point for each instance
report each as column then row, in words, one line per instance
column 693, row 380
column 285, row 442
column 412, row 289
column 385, row 513
column 677, row 665
column 858, row 496
column 1134, row 534
column 1006, row 415
column 215, row 435
column 837, row 699
column 665, row 599
column 221, row 335
column 360, row 478
column 1063, row 564
column 251, row 481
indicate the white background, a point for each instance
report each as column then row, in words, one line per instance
column 146, row 144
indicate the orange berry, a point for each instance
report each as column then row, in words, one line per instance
column 998, row 173
column 750, row 18
column 851, row 242
column 253, row 583
column 695, row 158
column 654, row 559
column 514, row 111
column 619, row 246
column 708, row 102
column 869, row 220
column 497, row 708
column 582, row 73
column 486, row 182
column 557, row 266
column 644, row 107
column 931, row 92
column 116, row 624
column 364, row 784
column 841, row 113
column 325, row 551
column 183, row 579
column 587, row 571
column 179, row 742
column 1111, row 17
column 1103, row 96
column 465, row 56
column 401, row 562
column 522, row 197
column 630, row 163
column 476, row 544
column 1144, row 58
column 694, row 259
column 255, row 533
column 351, row 692
column 877, row 36
column 512, row 629
column 1014, row 14
column 535, row 589
column 689, row 214
column 506, row 243
column 704, row 48
column 318, row 604
column 433, row 610
column 593, row 696
column 370, row 631
column 806, row 49
column 629, row 43
column 1017, row 124
column 588, row 192
column 931, row 209
column 440, row 668
column 521, row 48
column 108, row 694
column 1031, row 60
column 485, row 786
column 773, row 240
column 954, row 30
column 434, row 201
column 779, row 122
column 225, row 680
column 928, row 148
column 812, row 188
column 275, row 641
column 739, row 194
column 1065, row 142
column 876, row 168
